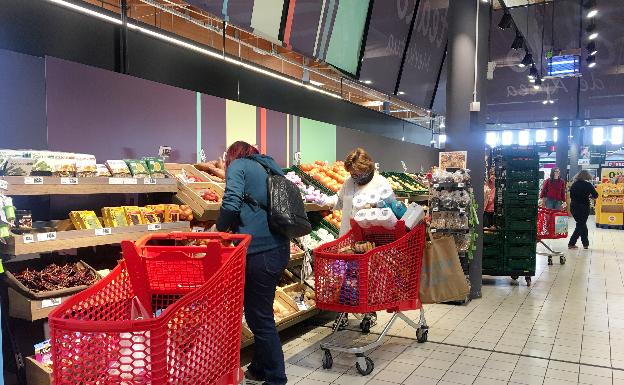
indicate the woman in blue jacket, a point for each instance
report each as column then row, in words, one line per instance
column 267, row 256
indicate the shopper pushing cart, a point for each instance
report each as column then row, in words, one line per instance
column 367, row 270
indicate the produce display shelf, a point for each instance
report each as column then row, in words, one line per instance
column 416, row 198
column 450, row 231
column 450, row 186
column 300, row 317
column 47, row 185
column 64, row 240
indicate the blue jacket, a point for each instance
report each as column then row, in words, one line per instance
column 246, row 176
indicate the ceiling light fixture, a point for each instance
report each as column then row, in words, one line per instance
column 526, row 60
column 591, row 48
column 591, row 61
column 538, row 83
column 518, row 41
column 555, row 118
column 367, row 81
column 592, row 34
column 401, row 93
column 505, row 21
column 590, row 7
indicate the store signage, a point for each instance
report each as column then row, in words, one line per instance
column 612, row 218
column 164, row 151
column 583, row 162
column 618, row 163
column 453, row 159
column 28, row 238
column 608, row 173
column 404, row 166
column 43, row 237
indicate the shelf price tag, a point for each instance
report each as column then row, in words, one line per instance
column 460, row 185
column 103, row 231
column 129, row 180
column 43, row 237
column 115, row 180
column 149, row 181
column 28, row 238
column 436, row 185
column 154, row 227
column 301, row 305
column 197, row 229
column 434, row 230
column 33, row 180
column 462, row 211
column 69, row 180
column 436, row 209
column 50, row 302
column 4, row 185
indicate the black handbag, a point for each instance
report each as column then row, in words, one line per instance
column 286, row 210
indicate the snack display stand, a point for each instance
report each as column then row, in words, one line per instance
column 610, row 206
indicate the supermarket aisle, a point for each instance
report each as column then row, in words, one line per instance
column 568, row 328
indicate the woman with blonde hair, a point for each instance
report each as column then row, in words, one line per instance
column 580, row 192
column 363, row 180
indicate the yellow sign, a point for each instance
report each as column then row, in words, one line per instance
column 608, row 173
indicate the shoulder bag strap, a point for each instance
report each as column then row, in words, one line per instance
column 248, row 198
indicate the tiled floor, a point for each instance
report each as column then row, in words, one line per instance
column 567, row 328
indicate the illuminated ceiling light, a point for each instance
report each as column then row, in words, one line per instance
column 597, row 136
column 591, row 61
column 555, row 134
column 523, row 138
column 540, row 136
column 592, row 13
column 367, row 81
column 555, row 118
column 442, row 138
column 591, row 31
column 544, row 101
column 401, row 93
column 551, row 101
column 590, row 8
column 505, row 21
column 617, row 134
column 591, row 48
column 518, row 42
column 507, row 138
column 526, row 60
column 491, row 138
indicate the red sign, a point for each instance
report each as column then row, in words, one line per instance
column 616, row 164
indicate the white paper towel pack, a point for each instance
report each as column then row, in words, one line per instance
column 385, row 193
column 361, row 218
column 372, row 216
column 413, row 215
column 372, row 198
column 359, row 201
column 386, row 218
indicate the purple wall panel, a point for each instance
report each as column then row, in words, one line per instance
column 276, row 136
column 117, row 116
column 213, row 126
column 306, row 18
column 22, row 101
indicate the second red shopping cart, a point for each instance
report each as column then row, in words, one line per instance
column 552, row 224
column 384, row 278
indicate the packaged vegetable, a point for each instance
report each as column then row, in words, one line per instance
column 118, row 168
column 133, row 215
column 156, row 167
column 19, row 166
column 4, row 157
column 83, row 220
column 138, row 168
column 102, row 170
column 114, row 217
column 86, row 165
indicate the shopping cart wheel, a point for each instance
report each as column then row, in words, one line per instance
column 365, row 325
column 328, row 360
column 364, row 365
column 562, row 260
column 422, row 333
column 528, row 280
column 550, row 262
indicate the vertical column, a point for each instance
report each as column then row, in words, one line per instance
column 563, row 147
column 465, row 129
column 574, row 148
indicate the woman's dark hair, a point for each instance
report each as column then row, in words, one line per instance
column 238, row 150
column 583, row 175
column 358, row 161
column 552, row 173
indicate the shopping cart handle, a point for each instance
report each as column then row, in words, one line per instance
column 185, row 236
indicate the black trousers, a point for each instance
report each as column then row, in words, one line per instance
column 580, row 214
column 263, row 272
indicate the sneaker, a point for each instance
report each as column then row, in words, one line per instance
column 586, row 247
column 572, row 247
column 372, row 317
column 252, row 377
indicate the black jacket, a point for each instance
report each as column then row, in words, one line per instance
column 580, row 191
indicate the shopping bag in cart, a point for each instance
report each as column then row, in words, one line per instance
column 561, row 224
column 442, row 278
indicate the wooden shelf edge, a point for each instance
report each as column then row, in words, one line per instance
column 88, row 186
column 85, row 238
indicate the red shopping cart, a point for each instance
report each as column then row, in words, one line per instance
column 552, row 224
column 384, row 278
column 166, row 314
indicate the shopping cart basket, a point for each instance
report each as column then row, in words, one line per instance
column 164, row 315
column 552, row 224
column 384, row 278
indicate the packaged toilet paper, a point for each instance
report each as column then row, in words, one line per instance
column 413, row 215
column 386, row 218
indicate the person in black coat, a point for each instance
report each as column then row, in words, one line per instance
column 580, row 192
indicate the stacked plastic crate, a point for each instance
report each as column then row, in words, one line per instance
column 517, row 193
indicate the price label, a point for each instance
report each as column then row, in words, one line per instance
column 462, row 211
column 460, row 185
column 197, row 229
column 436, row 209
column 28, row 238
column 103, row 231
column 50, row 302
column 436, row 185
column 154, row 227
column 149, row 181
column 43, row 237
column 301, row 305
column 4, row 185
column 434, row 230
column 33, row 180
column 115, row 180
column 130, row 181
column 69, row 180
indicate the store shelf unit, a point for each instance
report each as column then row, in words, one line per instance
column 610, row 206
column 72, row 239
column 43, row 185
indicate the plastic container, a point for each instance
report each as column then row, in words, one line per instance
column 165, row 315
